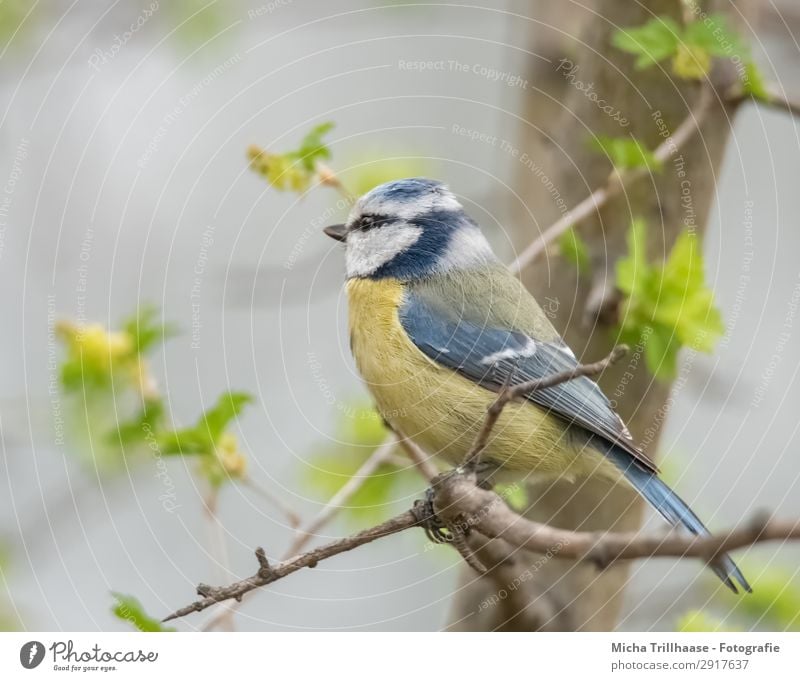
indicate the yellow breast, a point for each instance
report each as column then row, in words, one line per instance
column 436, row 407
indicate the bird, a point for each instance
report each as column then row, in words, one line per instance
column 439, row 325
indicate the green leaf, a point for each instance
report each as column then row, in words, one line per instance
column 753, row 82
column 148, row 421
column 574, row 250
column 668, row 306
column 714, row 36
column 128, row 609
column 651, row 43
column 312, row 148
column 626, row 153
column 292, row 170
column 691, row 47
column 229, row 405
column 633, row 268
column 145, row 330
column 204, row 435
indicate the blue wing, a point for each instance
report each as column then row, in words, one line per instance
column 492, row 356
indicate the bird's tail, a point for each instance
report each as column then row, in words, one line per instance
column 674, row 509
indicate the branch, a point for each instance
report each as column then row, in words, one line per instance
column 383, row 453
column 616, row 181
column 292, row 518
column 461, row 501
column 218, row 547
column 335, row 504
column 420, row 459
column 471, row 509
column 345, row 493
column 776, row 99
column 267, row 573
column 513, row 392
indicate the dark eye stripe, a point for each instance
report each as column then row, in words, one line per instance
column 367, row 222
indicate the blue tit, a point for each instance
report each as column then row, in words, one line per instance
column 438, row 325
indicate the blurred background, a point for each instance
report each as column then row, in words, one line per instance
column 126, row 184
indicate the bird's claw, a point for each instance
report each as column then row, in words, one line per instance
column 435, row 528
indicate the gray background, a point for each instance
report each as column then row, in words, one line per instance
column 271, row 294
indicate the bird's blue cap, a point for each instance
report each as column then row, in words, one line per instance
column 407, row 229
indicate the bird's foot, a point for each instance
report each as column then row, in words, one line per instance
column 435, row 528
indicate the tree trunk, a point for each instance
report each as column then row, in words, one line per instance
column 561, row 119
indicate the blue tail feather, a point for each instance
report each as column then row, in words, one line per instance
column 673, row 508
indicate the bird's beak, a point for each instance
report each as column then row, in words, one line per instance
column 338, row 232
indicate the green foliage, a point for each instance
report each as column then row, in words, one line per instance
column 293, row 170
column 312, row 148
column 148, row 420
column 774, row 604
column 128, row 609
column 691, row 47
column 221, row 457
column 101, row 358
column 359, row 433
column 626, row 153
column 775, row 601
column 145, row 330
column 202, row 437
column 361, row 177
column 695, row 621
column 667, row 305
column 196, row 22
column 651, row 43
column 12, row 13
column 574, row 250
column 753, row 82
column 100, row 362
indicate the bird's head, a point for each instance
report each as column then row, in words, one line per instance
column 409, row 229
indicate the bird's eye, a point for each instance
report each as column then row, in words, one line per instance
column 367, row 222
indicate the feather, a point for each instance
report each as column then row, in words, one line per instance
column 674, row 509
column 492, row 357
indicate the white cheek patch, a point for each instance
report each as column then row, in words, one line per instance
column 369, row 250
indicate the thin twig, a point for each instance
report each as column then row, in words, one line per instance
column 339, row 500
column 421, row 461
column 779, row 101
column 329, row 178
column 775, row 99
column 335, row 504
column 267, row 574
column 514, row 391
column 615, row 182
column 292, row 518
column 219, row 549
